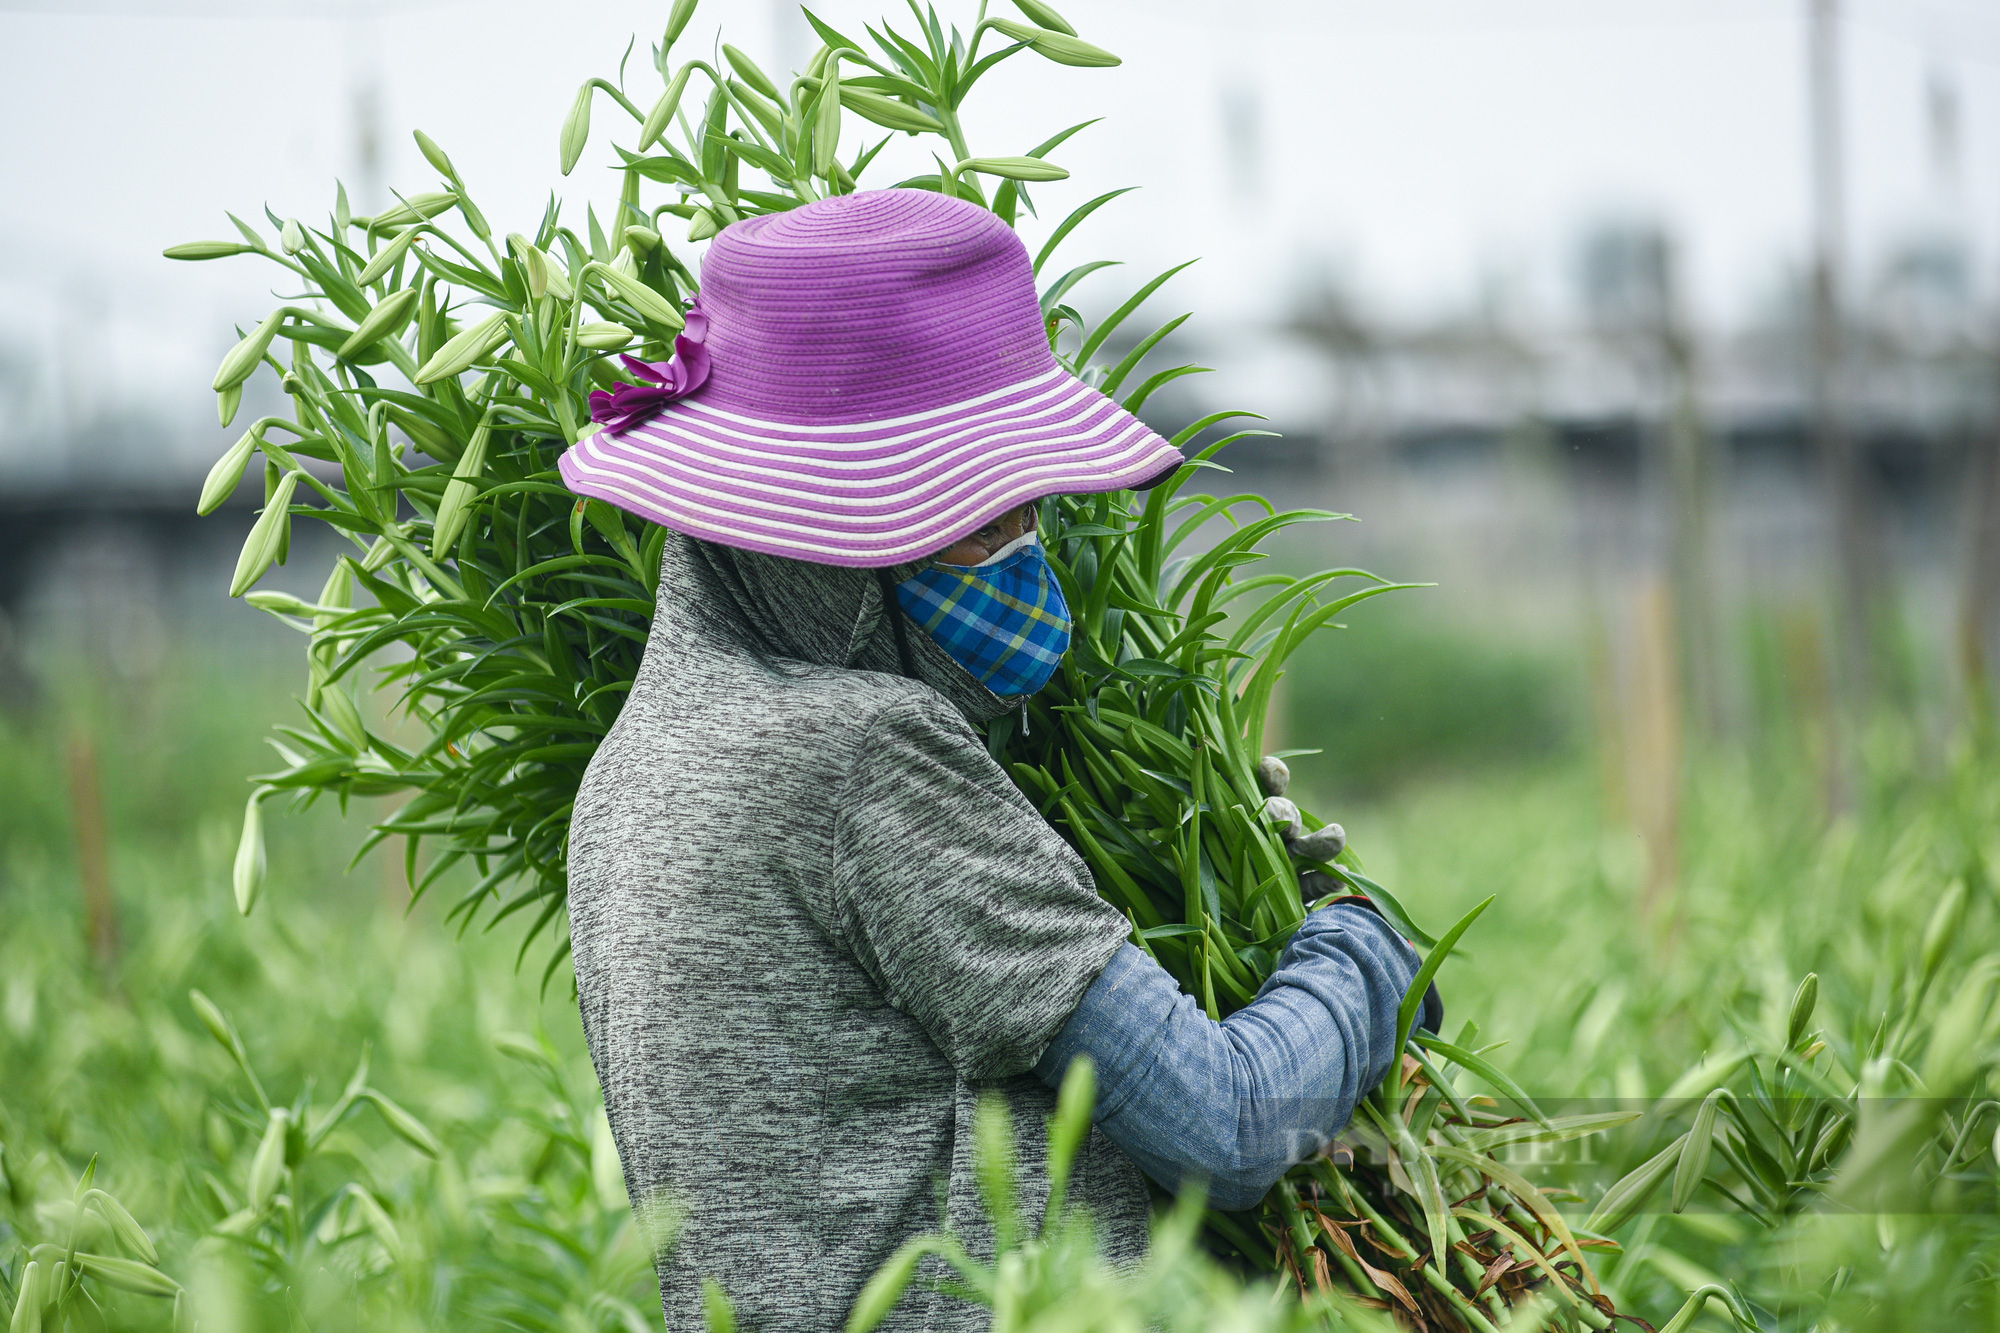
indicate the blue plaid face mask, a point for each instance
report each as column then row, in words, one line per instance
column 1005, row 621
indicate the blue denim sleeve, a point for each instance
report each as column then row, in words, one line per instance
column 1239, row 1102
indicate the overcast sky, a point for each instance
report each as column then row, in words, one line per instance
column 1421, row 150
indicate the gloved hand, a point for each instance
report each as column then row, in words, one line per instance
column 1320, row 844
column 1323, row 844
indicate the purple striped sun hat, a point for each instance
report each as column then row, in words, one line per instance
column 865, row 381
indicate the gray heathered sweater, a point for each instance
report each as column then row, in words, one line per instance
column 813, row 922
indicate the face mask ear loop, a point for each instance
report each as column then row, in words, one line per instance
column 894, row 610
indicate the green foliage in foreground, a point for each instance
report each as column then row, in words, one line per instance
column 465, row 1180
column 118, row 1065
column 1051, row 1278
column 1892, row 907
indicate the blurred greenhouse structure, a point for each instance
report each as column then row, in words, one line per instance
column 1550, row 471
column 1606, row 456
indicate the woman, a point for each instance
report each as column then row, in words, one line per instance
column 813, row 920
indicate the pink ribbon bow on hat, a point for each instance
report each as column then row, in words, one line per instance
column 631, row 404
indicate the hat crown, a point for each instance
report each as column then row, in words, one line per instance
column 870, row 306
column 879, row 384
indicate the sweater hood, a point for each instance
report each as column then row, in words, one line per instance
column 827, row 615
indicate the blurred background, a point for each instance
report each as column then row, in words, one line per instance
column 1660, row 335
column 1663, row 337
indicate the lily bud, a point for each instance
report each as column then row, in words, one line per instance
column 207, row 250
column 747, row 70
column 1803, row 1003
column 1044, row 16
column 385, row 258
column 558, row 271
column 436, row 155
column 292, row 237
column 417, row 208
column 1015, row 168
column 260, row 548
column 543, row 271
column 677, row 19
column 242, row 359
column 452, row 509
column 474, row 218
column 336, row 595
column 889, row 113
column 248, row 874
column 29, row 1300
column 1058, row 46
column 534, row 265
column 826, row 123
column 123, row 1225
column 337, row 706
column 268, row 1167
column 383, row 320
column 279, row 603
column 649, row 302
column 576, row 129
column 458, row 355
column 227, row 472
column 663, row 110
column 604, row 336
column 404, row 1125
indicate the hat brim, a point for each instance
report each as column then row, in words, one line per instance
column 874, row 493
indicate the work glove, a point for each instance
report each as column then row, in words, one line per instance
column 1323, row 844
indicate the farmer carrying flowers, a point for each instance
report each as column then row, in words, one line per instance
column 813, row 919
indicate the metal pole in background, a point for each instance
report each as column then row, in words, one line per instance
column 1856, row 548
column 1856, row 572
column 1979, row 585
column 1691, row 465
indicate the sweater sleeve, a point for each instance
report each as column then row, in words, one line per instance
column 1239, row 1102
column 968, row 911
